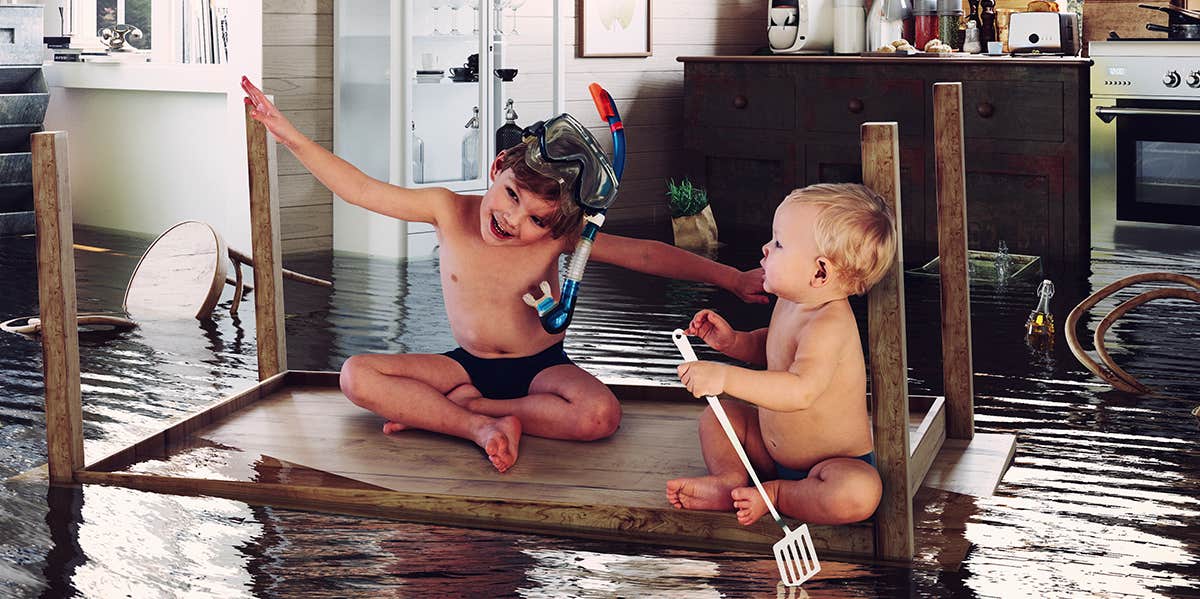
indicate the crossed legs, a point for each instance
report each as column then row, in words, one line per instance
column 433, row 392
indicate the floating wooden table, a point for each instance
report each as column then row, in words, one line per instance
column 295, row 441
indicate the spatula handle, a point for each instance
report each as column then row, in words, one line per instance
column 685, row 348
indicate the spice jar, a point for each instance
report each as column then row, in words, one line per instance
column 925, row 22
column 949, row 14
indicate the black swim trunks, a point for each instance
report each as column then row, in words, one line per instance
column 784, row 473
column 507, row 378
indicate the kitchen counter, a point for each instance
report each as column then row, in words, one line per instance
column 958, row 58
column 757, row 127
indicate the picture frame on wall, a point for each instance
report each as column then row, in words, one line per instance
column 613, row 28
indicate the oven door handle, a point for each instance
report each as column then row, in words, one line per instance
column 1108, row 113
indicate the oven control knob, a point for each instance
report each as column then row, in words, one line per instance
column 1171, row 79
column 1193, row 79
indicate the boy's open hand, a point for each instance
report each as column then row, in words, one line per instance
column 703, row 378
column 749, row 287
column 266, row 113
column 712, row 329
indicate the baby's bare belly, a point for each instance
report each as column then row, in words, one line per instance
column 802, row 440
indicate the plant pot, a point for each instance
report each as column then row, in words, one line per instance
column 698, row 231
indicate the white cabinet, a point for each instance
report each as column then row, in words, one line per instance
column 408, row 78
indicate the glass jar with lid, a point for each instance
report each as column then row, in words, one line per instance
column 949, row 15
column 925, row 22
column 849, row 26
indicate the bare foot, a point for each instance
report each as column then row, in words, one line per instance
column 390, row 427
column 499, row 439
column 749, row 503
column 701, row 493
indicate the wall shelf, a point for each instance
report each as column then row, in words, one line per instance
column 132, row 76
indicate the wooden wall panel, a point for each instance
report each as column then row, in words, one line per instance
column 298, row 71
column 649, row 91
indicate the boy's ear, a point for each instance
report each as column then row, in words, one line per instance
column 820, row 277
column 495, row 169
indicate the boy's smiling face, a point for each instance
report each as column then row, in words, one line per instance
column 512, row 215
column 792, row 266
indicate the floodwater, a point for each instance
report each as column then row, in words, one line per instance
column 1102, row 499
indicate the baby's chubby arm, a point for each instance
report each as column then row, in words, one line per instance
column 664, row 260
column 797, row 388
column 343, row 178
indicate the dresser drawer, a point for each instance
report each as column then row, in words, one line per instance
column 1016, row 110
column 734, row 100
column 842, row 104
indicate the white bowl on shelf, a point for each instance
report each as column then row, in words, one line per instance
column 782, row 36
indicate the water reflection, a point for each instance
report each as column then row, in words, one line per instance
column 1102, row 498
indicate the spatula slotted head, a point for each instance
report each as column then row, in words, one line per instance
column 796, row 557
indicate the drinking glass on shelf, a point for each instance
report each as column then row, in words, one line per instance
column 454, row 6
column 514, row 5
column 435, row 5
column 474, row 6
column 498, row 15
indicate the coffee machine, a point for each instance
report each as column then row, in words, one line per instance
column 800, row 26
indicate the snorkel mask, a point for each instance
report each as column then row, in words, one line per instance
column 567, row 152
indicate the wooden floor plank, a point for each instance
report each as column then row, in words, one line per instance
column 972, row 466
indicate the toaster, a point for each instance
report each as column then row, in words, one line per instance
column 1043, row 32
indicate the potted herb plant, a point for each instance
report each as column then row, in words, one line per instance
column 691, row 216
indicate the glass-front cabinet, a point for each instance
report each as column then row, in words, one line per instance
column 420, row 90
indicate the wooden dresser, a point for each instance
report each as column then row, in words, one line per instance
column 759, row 126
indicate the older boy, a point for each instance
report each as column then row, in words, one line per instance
column 806, row 426
column 509, row 376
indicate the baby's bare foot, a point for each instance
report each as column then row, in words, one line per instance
column 463, row 395
column 390, row 427
column 500, row 439
column 701, row 493
column 749, row 503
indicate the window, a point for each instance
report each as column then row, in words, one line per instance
column 93, row 15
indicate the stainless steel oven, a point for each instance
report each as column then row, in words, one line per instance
column 1145, row 131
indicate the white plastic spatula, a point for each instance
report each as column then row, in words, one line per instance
column 794, row 553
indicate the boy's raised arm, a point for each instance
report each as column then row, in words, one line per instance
column 664, row 260
column 342, row 178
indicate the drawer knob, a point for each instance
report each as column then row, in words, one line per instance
column 985, row 110
column 740, row 102
column 855, row 105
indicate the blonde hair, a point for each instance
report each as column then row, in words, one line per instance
column 855, row 229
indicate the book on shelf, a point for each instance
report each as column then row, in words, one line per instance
column 66, row 54
column 204, row 38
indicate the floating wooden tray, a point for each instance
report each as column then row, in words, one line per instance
column 983, row 266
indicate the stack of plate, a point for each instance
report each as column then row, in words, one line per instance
column 429, row 76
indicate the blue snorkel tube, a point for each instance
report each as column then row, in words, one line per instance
column 556, row 316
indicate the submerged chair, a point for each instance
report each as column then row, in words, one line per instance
column 181, row 275
column 1109, row 371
